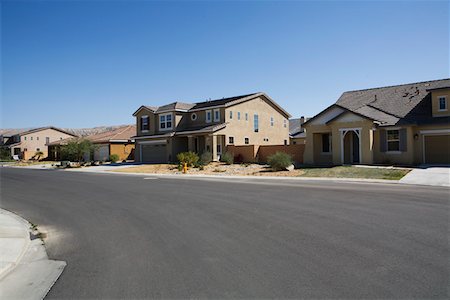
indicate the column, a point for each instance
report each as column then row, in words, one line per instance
column 214, row 147
column 191, row 140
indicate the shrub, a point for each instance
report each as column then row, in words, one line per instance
column 279, row 161
column 190, row 158
column 227, row 158
column 206, row 158
column 114, row 158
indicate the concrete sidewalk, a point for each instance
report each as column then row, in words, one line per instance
column 428, row 175
column 25, row 270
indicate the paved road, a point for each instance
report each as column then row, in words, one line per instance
column 130, row 237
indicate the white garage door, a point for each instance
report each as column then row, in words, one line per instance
column 153, row 153
column 102, row 153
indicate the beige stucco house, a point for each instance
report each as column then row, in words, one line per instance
column 405, row 124
column 25, row 144
column 209, row 126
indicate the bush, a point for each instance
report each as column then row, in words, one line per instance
column 227, row 158
column 114, row 158
column 190, row 158
column 279, row 161
column 206, row 158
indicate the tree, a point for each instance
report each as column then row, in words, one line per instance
column 38, row 155
column 75, row 149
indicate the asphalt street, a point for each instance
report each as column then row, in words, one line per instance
column 139, row 237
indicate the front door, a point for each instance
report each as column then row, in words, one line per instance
column 355, row 148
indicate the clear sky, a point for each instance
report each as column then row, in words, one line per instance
column 89, row 63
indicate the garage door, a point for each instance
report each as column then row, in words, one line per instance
column 437, row 149
column 154, row 153
column 102, row 153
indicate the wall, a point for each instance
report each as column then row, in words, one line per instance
column 435, row 102
column 246, row 152
column 152, row 122
column 125, row 151
column 296, row 151
column 240, row 129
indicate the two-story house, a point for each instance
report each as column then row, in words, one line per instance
column 209, row 126
column 405, row 124
column 25, row 144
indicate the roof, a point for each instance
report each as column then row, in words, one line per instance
column 201, row 129
column 181, row 106
column 21, row 132
column 295, row 126
column 392, row 104
column 122, row 134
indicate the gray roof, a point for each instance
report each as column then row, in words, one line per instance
column 389, row 104
column 295, row 126
column 219, row 102
column 174, row 106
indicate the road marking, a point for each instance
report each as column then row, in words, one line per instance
column 150, row 178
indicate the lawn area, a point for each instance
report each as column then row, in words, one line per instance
column 355, row 172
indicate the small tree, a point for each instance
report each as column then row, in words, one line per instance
column 190, row 158
column 205, row 158
column 38, row 155
column 5, row 153
column 76, row 149
column 279, row 161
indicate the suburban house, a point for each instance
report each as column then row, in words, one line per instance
column 297, row 134
column 209, row 126
column 25, row 144
column 119, row 141
column 405, row 124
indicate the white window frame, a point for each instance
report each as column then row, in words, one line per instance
column 392, row 140
column 238, row 115
column 246, row 116
column 231, row 115
column 231, row 140
column 445, row 102
column 246, row 138
column 165, row 121
column 216, row 118
column 148, row 123
column 193, row 116
column 208, row 113
column 255, row 123
column 271, row 121
column 284, row 123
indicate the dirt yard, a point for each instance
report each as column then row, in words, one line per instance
column 214, row 168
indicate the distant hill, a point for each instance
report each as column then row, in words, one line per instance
column 76, row 131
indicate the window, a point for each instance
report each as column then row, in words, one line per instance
column 60, row 138
column 285, row 142
column 47, row 140
column 239, row 115
column 442, row 103
column 230, row 140
column 193, row 116
column 271, row 121
column 265, row 139
column 165, row 121
column 24, row 138
column 326, row 143
column 216, row 115
column 38, row 149
column 255, row 123
column 208, row 116
column 246, row 116
column 284, row 123
column 393, row 140
column 144, row 123
column 31, row 138
column 231, row 114
column 246, row 141
column 37, row 138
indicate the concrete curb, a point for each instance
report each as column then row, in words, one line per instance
column 25, row 270
column 202, row 176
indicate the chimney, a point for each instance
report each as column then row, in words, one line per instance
column 302, row 120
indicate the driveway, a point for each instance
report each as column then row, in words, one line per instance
column 147, row 237
column 428, row 175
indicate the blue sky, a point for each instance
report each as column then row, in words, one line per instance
column 89, row 63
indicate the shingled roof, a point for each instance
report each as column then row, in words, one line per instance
column 124, row 133
column 390, row 104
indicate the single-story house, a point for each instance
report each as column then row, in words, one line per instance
column 406, row 124
column 297, row 134
column 118, row 141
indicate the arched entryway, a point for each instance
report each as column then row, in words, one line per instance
column 351, row 146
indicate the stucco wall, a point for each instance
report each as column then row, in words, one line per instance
column 33, row 141
column 125, row 151
column 435, row 102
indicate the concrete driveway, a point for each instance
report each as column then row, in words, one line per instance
column 428, row 175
